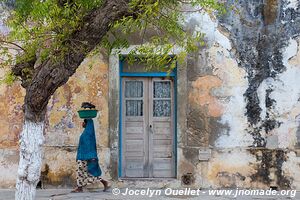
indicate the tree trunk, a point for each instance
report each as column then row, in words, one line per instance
column 46, row 77
column 31, row 141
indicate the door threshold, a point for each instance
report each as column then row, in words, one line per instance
column 146, row 179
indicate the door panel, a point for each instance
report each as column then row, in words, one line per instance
column 134, row 138
column 162, row 138
column 147, row 127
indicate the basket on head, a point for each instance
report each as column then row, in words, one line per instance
column 88, row 111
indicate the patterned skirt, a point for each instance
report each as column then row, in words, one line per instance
column 83, row 177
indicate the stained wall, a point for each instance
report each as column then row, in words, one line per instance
column 243, row 102
column 241, row 114
column 63, row 126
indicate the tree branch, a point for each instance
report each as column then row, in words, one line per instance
column 12, row 43
column 52, row 73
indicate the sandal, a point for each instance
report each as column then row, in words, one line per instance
column 106, row 188
column 77, row 190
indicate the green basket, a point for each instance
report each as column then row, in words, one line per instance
column 87, row 114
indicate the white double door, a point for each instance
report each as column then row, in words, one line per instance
column 148, row 127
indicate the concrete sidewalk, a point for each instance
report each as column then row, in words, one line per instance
column 63, row 194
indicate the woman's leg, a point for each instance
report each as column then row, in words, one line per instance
column 105, row 184
column 84, row 178
column 93, row 179
column 80, row 176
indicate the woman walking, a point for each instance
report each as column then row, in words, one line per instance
column 88, row 169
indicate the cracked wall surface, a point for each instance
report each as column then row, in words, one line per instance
column 241, row 126
column 247, row 72
column 63, row 126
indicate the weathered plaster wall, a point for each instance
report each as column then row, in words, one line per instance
column 90, row 83
column 244, row 97
column 239, row 106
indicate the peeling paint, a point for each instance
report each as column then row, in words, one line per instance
column 269, row 170
column 201, row 94
column 63, row 124
column 227, row 169
column 242, row 103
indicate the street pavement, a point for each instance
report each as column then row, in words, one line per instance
column 64, row 194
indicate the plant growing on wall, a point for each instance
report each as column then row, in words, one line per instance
column 48, row 39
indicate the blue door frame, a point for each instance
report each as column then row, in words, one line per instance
column 146, row 74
